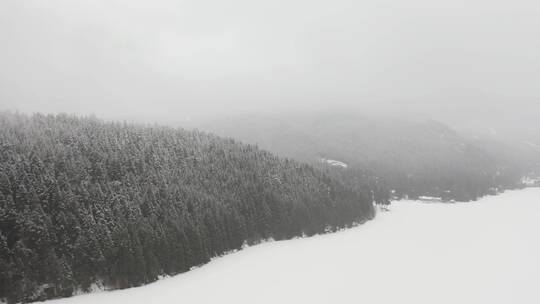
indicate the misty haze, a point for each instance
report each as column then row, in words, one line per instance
column 269, row 152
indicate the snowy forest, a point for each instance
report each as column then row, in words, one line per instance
column 410, row 159
column 268, row 152
column 84, row 201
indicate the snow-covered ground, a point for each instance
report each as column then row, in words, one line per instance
column 531, row 181
column 482, row 252
column 335, row 163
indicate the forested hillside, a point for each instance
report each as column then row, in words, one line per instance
column 411, row 158
column 522, row 155
column 85, row 201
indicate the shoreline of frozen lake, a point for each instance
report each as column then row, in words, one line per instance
column 480, row 252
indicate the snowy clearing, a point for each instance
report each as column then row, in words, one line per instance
column 335, row 163
column 482, row 252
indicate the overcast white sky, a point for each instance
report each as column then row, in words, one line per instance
column 461, row 61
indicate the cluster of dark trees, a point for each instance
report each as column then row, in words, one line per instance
column 84, row 201
column 406, row 159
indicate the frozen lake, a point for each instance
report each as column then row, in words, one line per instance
column 481, row 252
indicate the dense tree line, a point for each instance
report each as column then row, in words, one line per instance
column 361, row 180
column 84, row 201
column 405, row 159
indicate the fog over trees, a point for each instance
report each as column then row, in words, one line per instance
column 83, row 201
column 409, row 159
column 139, row 139
column 472, row 64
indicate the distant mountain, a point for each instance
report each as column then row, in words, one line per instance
column 87, row 202
column 521, row 154
column 411, row 159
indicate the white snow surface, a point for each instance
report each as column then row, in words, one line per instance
column 430, row 199
column 481, row 252
column 530, row 181
column 531, row 144
column 335, row 163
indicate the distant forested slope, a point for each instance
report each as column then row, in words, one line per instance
column 412, row 159
column 84, row 201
